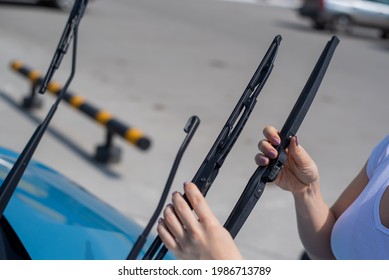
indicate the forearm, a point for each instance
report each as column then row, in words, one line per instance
column 315, row 221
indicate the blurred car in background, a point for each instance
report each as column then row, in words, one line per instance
column 65, row 5
column 341, row 15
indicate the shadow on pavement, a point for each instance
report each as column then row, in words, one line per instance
column 61, row 138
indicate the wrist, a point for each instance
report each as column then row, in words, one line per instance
column 310, row 191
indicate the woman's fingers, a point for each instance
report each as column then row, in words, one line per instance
column 272, row 135
column 266, row 146
column 267, row 149
column 197, row 233
column 198, row 202
column 173, row 223
column 261, row 160
column 167, row 238
column 179, row 217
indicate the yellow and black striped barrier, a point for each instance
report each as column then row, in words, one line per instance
column 133, row 135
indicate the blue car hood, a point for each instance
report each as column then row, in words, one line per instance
column 56, row 219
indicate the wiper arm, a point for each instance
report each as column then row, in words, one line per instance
column 13, row 177
column 71, row 26
column 265, row 174
column 209, row 169
column 190, row 129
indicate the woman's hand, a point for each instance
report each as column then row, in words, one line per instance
column 195, row 234
column 299, row 172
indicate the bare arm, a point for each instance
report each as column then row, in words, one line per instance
column 315, row 219
column 350, row 193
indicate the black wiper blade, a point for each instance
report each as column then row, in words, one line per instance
column 13, row 177
column 262, row 175
column 73, row 22
column 207, row 172
column 209, row 169
column 190, row 128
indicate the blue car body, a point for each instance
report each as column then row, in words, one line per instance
column 54, row 218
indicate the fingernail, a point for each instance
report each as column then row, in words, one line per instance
column 262, row 161
column 160, row 220
column 297, row 141
column 273, row 153
column 276, row 141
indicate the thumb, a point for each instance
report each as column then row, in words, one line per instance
column 298, row 157
column 297, row 152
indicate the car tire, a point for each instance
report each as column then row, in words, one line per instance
column 384, row 34
column 341, row 24
column 318, row 25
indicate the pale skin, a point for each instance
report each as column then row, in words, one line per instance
column 198, row 234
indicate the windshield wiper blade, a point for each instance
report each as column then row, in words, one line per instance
column 13, row 177
column 72, row 24
column 265, row 174
column 214, row 160
column 190, row 129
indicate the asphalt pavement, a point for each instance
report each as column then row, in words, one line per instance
column 153, row 64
